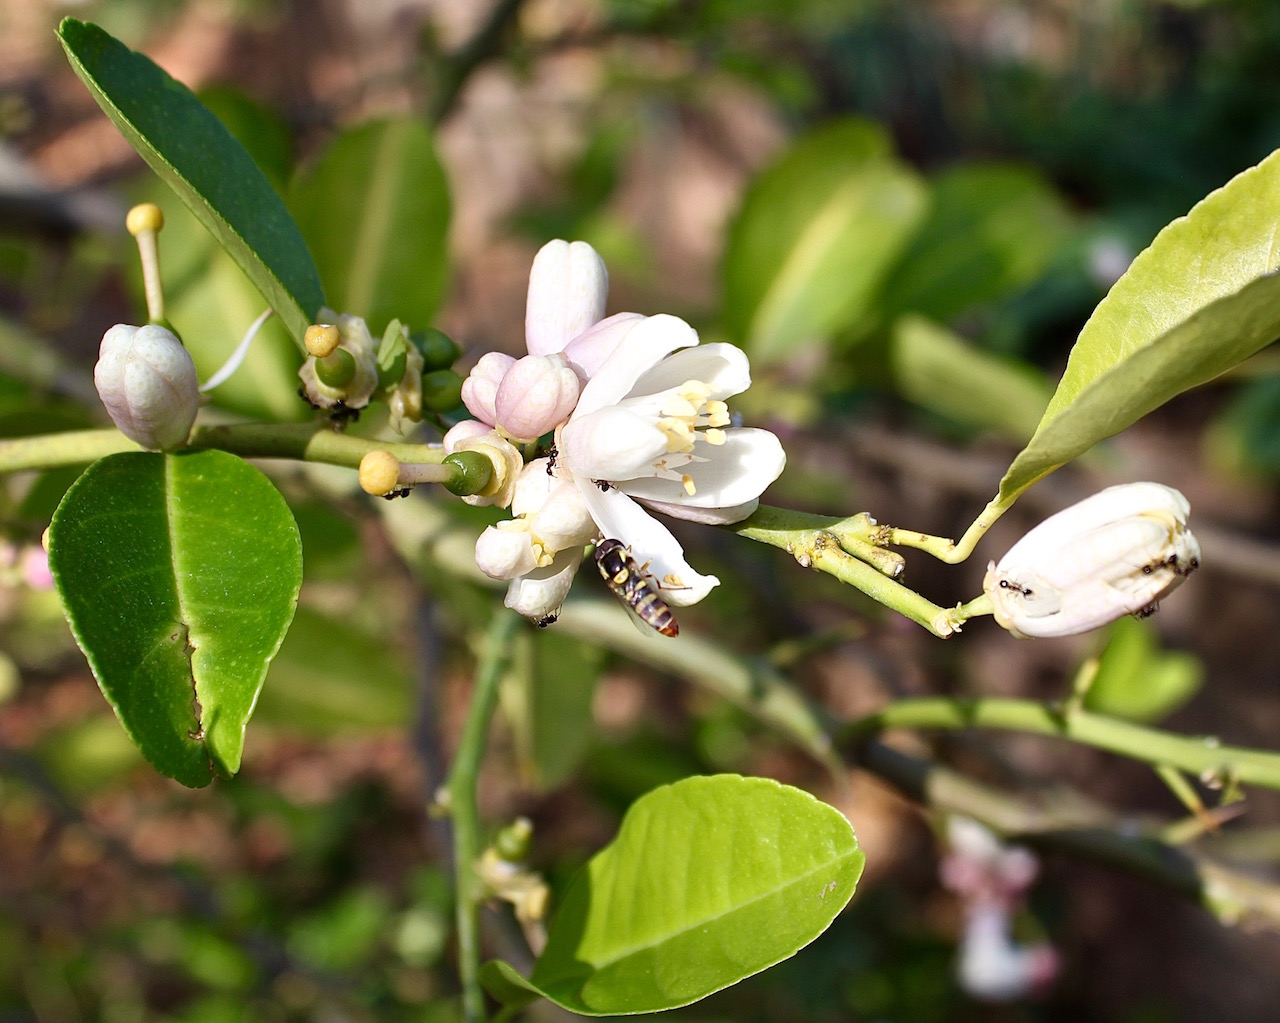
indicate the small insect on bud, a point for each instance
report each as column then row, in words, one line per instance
column 147, row 381
column 1115, row 553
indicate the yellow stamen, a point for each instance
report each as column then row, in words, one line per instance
column 714, row 437
column 687, row 482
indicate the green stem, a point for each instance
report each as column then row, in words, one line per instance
column 847, row 549
column 945, row 549
column 308, row 442
column 1197, row 756
column 461, row 787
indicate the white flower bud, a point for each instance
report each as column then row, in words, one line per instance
column 147, row 381
column 535, row 396
column 568, row 288
column 1116, row 553
column 480, row 389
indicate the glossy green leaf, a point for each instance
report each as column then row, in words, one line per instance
column 1204, row 296
column 816, row 235
column 375, row 210
column 179, row 575
column 944, row 373
column 991, row 228
column 708, row 881
column 1139, row 681
column 195, row 155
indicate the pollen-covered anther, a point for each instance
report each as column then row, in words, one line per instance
column 687, row 482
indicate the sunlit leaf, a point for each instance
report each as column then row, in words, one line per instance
column 195, row 155
column 708, row 881
column 179, row 575
column 815, row 237
column 375, row 210
column 1204, row 296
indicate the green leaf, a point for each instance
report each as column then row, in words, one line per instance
column 375, row 210
column 816, row 235
column 179, row 575
column 944, row 373
column 195, row 155
column 709, row 880
column 992, row 228
column 1139, row 681
column 1203, row 297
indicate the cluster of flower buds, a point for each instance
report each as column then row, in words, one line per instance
column 345, row 369
column 628, row 414
column 1118, row 552
column 991, row 880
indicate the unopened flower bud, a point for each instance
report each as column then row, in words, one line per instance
column 1116, row 553
column 480, row 389
column 535, row 396
column 441, row 390
column 439, row 350
column 568, row 288
column 147, row 381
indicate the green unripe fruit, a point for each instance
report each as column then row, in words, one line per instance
column 337, row 369
column 439, row 350
column 441, row 390
column 513, row 841
column 474, row 472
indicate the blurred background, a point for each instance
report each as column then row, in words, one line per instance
column 992, row 168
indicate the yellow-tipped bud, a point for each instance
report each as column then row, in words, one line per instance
column 146, row 216
column 321, row 339
column 379, row 473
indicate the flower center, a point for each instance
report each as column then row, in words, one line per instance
column 688, row 414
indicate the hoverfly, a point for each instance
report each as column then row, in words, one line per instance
column 634, row 586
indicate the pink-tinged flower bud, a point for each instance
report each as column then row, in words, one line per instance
column 536, row 395
column 480, row 389
column 994, row 967
column 147, row 381
column 506, row 550
column 568, row 289
column 1116, row 553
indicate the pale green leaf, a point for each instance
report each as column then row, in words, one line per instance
column 816, row 235
column 1139, row 681
column 944, row 373
column 1203, row 297
column 375, row 210
column 195, row 155
column 709, row 880
column 179, row 575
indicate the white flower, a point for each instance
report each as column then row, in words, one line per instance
column 652, row 426
column 995, row 968
column 1115, row 553
column 148, row 383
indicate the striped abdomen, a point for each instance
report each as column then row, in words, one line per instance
column 634, row 587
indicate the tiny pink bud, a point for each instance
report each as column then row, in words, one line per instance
column 481, row 386
column 536, row 395
column 147, row 381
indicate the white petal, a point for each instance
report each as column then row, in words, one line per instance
column 568, row 288
column 611, row 444
column 724, row 367
column 642, row 348
column 468, row 429
column 707, row 516
column 587, row 352
column 563, row 520
column 505, row 553
column 735, row 473
column 651, row 543
column 532, row 487
column 539, row 594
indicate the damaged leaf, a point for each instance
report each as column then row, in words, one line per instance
column 179, row 575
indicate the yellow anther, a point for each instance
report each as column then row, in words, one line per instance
column 696, row 391
column 714, row 437
column 146, row 216
column 717, row 413
column 321, row 339
column 379, row 473
column 680, row 406
column 687, row 482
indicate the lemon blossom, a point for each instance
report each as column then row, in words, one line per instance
column 652, row 431
column 147, row 382
column 1115, row 553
